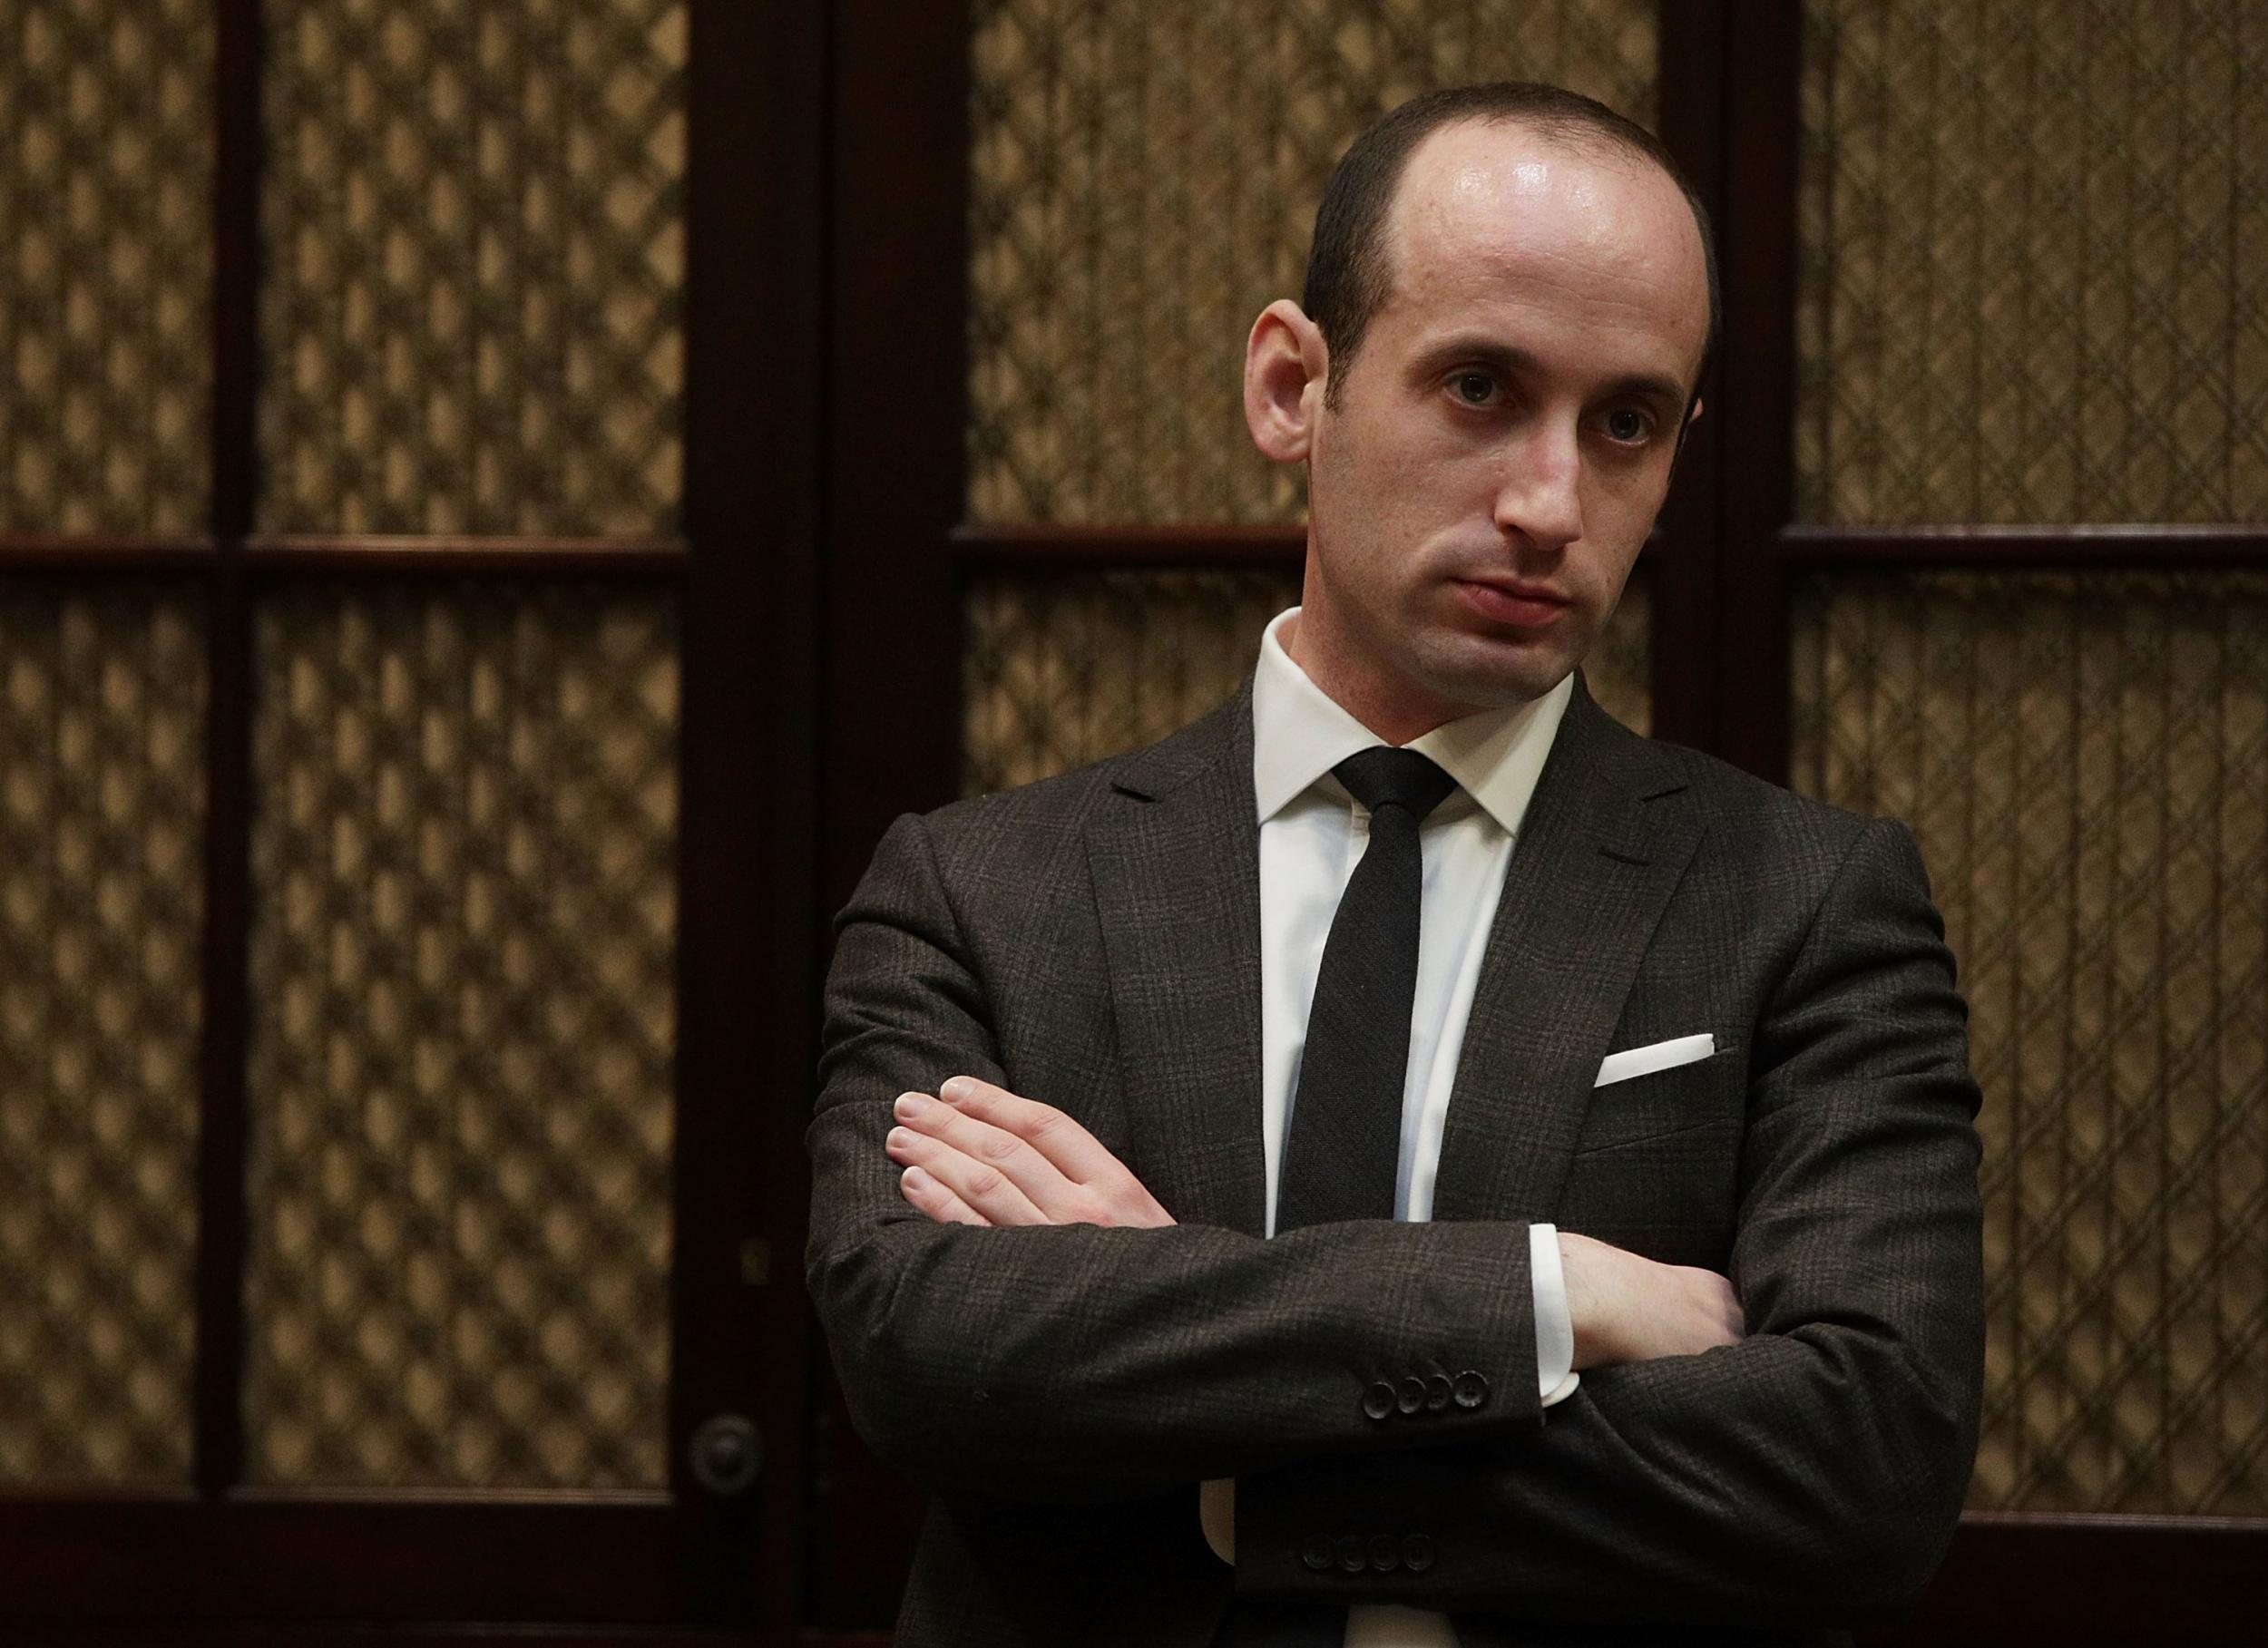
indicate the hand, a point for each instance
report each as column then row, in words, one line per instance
column 985, row 1156
column 1628, row 1309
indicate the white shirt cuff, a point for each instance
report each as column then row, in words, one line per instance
column 1555, row 1378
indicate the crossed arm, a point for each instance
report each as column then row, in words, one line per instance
column 975, row 1153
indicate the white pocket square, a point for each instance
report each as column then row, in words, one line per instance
column 1661, row 1056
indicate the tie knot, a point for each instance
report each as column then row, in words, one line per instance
column 1384, row 777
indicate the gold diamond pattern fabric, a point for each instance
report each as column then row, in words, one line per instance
column 2034, row 261
column 105, row 375
column 464, row 859
column 101, row 803
column 2085, row 762
column 1061, row 669
column 1144, row 176
column 473, row 225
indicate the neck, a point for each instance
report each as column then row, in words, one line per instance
column 1398, row 711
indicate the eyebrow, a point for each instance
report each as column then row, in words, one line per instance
column 1512, row 358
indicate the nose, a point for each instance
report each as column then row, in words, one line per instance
column 1540, row 496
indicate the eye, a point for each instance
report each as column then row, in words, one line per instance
column 1628, row 425
column 1473, row 388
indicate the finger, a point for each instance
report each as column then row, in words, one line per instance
column 1041, row 1181
column 1083, row 1183
column 931, row 1196
column 980, row 1185
column 1069, row 1148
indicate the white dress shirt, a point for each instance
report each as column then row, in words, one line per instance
column 1312, row 836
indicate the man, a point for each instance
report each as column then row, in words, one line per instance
column 1405, row 1160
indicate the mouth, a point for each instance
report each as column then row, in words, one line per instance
column 1522, row 606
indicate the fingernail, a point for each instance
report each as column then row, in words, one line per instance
column 899, row 1139
column 957, row 1089
column 911, row 1105
column 914, row 1178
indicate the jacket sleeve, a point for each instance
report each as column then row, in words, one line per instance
column 1072, row 1362
column 1813, row 1472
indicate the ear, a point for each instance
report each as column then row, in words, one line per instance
column 1285, row 366
column 1693, row 417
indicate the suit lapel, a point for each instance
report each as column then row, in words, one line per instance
column 1603, row 846
column 1175, row 858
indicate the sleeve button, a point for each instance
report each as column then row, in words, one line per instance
column 1417, row 1553
column 1385, row 1553
column 1472, row 1389
column 1438, row 1392
column 1409, row 1394
column 1317, row 1554
column 1354, row 1556
column 1378, row 1401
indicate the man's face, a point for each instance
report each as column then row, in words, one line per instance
column 1496, row 453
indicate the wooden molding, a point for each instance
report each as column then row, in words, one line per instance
column 1052, row 547
column 2016, row 1579
column 106, row 552
column 396, row 555
column 2140, row 546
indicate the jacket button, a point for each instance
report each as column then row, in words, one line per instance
column 1378, row 1401
column 1438, row 1389
column 1318, row 1553
column 1353, row 1556
column 1472, row 1389
column 1409, row 1394
column 1417, row 1553
column 1385, row 1553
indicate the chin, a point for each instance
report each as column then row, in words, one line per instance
column 1492, row 680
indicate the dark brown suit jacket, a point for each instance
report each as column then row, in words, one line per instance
column 1094, row 942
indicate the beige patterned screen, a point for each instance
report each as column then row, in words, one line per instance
column 473, row 227
column 105, row 270
column 1060, row 671
column 1144, row 176
column 2034, row 243
column 465, row 853
column 2085, row 762
column 102, row 795
column 465, row 856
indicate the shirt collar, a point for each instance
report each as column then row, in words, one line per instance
column 1299, row 734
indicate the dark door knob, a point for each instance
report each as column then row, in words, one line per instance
column 726, row 1454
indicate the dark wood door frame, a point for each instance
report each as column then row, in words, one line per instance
column 889, row 602
column 755, row 208
column 744, row 576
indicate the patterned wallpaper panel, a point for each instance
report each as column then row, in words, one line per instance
column 475, row 235
column 1059, row 670
column 2034, row 277
column 1143, row 177
column 101, row 803
column 2085, row 762
column 464, row 863
column 106, row 265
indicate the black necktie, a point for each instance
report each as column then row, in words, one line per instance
column 1346, row 1120
column 1345, row 1137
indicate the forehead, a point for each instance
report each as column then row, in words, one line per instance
column 1496, row 214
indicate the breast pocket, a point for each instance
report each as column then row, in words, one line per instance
column 1657, row 1165
column 1645, row 1107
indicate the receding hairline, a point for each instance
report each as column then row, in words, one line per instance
column 1580, row 136
column 1353, row 267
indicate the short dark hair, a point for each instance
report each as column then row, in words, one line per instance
column 1350, row 271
